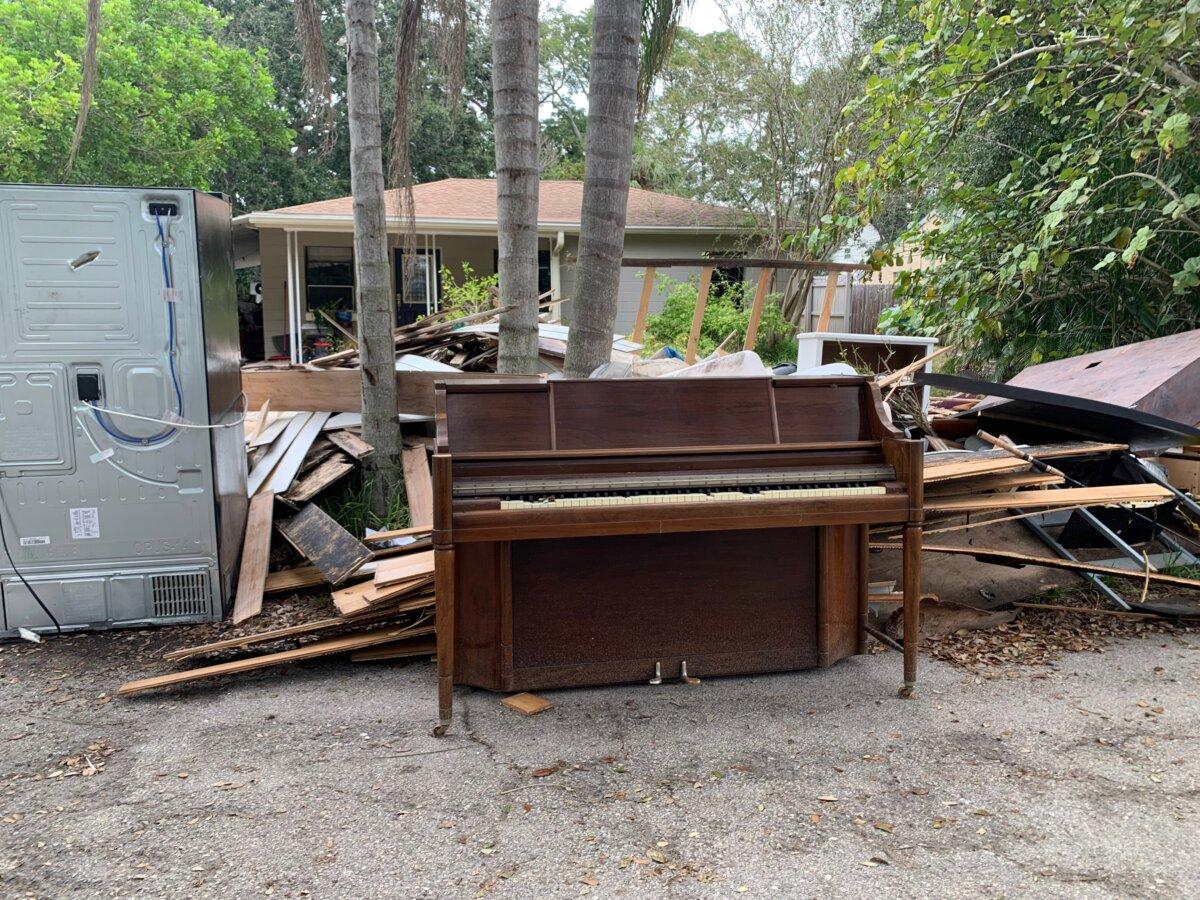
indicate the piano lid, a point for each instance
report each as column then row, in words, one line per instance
column 604, row 414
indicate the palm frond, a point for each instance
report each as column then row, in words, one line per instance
column 660, row 21
column 316, row 65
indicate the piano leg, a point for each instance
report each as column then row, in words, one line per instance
column 443, row 560
column 912, row 606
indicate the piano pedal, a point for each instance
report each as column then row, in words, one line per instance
column 684, row 676
column 657, row 679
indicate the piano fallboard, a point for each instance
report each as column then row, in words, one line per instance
column 710, row 515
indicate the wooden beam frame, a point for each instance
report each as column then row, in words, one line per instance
column 760, row 296
column 706, row 274
column 827, row 299
column 639, row 324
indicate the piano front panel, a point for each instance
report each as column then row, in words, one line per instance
column 577, row 611
column 837, row 412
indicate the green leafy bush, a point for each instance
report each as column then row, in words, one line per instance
column 727, row 312
column 474, row 293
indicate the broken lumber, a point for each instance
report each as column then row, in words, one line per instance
column 1090, row 496
column 333, row 623
column 351, row 443
column 403, row 568
column 398, row 650
column 263, row 468
column 325, row 543
column 282, row 476
column 256, row 553
column 308, row 651
column 418, row 485
column 1016, row 560
column 318, row 479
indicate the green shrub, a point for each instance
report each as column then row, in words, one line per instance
column 474, row 293
column 728, row 311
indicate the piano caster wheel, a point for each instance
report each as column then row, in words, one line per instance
column 441, row 728
column 908, row 691
column 685, row 677
column 657, row 679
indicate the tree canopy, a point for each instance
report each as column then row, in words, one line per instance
column 1048, row 157
column 173, row 103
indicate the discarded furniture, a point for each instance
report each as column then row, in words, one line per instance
column 866, row 352
column 604, row 531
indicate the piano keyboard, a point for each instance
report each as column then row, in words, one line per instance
column 807, row 492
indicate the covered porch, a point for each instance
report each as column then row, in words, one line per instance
column 307, row 281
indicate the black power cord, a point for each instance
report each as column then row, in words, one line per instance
column 13, row 562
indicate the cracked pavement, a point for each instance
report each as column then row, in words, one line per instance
column 322, row 780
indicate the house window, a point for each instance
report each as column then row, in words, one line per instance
column 329, row 279
column 417, row 296
column 543, row 269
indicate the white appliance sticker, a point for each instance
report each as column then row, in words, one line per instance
column 41, row 540
column 85, row 523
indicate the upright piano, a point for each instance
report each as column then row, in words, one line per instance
column 593, row 532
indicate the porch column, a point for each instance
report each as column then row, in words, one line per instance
column 293, row 296
column 556, row 246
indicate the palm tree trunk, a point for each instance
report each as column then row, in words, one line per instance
column 515, row 97
column 608, row 160
column 374, row 307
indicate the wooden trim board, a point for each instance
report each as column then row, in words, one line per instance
column 418, row 485
column 398, row 650
column 262, row 470
column 256, row 554
column 308, row 651
column 1089, row 496
column 403, row 568
column 1019, row 560
column 285, row 473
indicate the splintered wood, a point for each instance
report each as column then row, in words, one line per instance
column 325, row 543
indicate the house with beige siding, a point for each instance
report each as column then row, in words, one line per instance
column 307, row 263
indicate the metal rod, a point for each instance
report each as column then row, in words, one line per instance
column 883, row 638
column 1096, row 581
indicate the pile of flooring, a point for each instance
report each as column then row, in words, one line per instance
column 437, row 337
column 381, row 583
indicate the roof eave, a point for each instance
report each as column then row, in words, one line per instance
column 341, row 222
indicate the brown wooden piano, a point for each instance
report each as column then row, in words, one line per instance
column 602, row 531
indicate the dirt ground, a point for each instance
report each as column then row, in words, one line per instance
column 322, row 780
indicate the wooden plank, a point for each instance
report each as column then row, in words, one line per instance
column 334, row 322
column 260, row 422
column 267, row 435
column 302, row 577
column 308, row 651
column 897, row 376
column 293, row 579
column 1019, row 560
column 356, row 598
column 986, row 462
column 756, row 309
column 991, row 483
column 399, row 650
column 265, row 637
column 380, row 536
column 340, row 390
column 527, row 704
column 403, row 568
column 327, row 473
column 418, row 485
column 1091, row 496
column 325, row 543
column 639, row 324
column 262, row 470
column 285, row 472
column 706, row 274
column 827, row 299
column 256, row 553
column 351, row 443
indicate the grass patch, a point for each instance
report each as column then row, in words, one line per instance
column 350, row 506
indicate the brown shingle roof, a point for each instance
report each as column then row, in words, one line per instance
column 559, row 203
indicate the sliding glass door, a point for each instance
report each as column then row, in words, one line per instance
column 417, row 294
